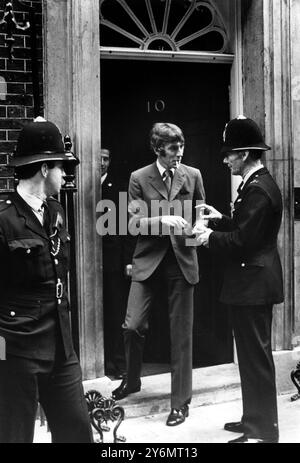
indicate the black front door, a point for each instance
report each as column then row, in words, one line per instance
column 134, row 95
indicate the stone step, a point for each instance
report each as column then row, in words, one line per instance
column 211, row 385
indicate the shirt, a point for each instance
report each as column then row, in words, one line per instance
column 163, row 169
column 34, row 202
column 103, row 177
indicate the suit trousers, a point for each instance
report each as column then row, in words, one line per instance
column 57, row 386
column 252, row 330
column 168, row 277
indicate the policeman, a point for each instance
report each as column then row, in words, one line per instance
column 41, row 365
column 253, row 277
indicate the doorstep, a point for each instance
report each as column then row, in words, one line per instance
column 211, row 385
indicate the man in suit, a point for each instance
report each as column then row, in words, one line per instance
column 253, row 277
column 41, row 365
column 115, row 285
column 163, row 260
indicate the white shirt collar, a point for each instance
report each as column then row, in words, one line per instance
column 103, row 177
column 33, row 201
column 163, row 169
column 251, row 172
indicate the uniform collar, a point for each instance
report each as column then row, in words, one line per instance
column 250, row 173
column 25, row 210
column 33, row 201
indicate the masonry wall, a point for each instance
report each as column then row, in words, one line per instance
column 295, row 35
column 266, row 43
column 16, row 88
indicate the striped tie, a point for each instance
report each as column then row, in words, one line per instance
column 167, row 176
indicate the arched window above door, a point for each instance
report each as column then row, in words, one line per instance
column 174, row 25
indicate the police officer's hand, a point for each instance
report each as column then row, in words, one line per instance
column 202, row 237
column 175, row 221
column 209, row 212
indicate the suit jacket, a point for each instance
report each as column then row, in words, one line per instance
column 117, row 250
column 34, row 311
column 253, row 275
column 148, row 202
column 111, row 244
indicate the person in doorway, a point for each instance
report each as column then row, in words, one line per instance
column 40, row 364
column 116, row 272
column 163, row 260
column 253, row 277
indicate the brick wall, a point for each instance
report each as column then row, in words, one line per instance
column 16, row 89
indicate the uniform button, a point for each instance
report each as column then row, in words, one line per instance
column 56, row 261
column 8, row 201
column 243, row 264
column 59, row 301
column 12, row 313
column 28, row 251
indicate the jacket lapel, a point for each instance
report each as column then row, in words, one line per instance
column 157, row 182
column 178, row 181
column 31, row 221
column 252, row 178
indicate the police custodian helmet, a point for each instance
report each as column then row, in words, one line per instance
column 40, row 141
column 241, row 134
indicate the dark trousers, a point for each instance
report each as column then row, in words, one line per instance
column 167, row 277
column 252, row 331
column 57, row 385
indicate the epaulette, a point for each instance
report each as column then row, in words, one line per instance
column 54, row 202
column 51, row 198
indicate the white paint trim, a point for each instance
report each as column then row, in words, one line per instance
column 236, row 98
column 130, row 53
column 236, row 90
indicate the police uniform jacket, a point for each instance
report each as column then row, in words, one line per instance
column 33, row 267
column 148, row 202
column 253, row 275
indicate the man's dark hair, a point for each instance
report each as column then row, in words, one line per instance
column 163, row 133
column 106, row 151
column 255, row 154
column 29, row 170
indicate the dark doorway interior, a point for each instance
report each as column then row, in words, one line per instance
column 134, row 95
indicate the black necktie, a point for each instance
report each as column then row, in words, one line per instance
column 46, row 218
column 168, row 175
column 240, row 187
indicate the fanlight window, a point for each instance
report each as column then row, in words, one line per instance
column 162, row 25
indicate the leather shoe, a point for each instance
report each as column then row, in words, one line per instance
column 250, row 440
column 235, row 426
column 124, row 390
column 178, row 415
